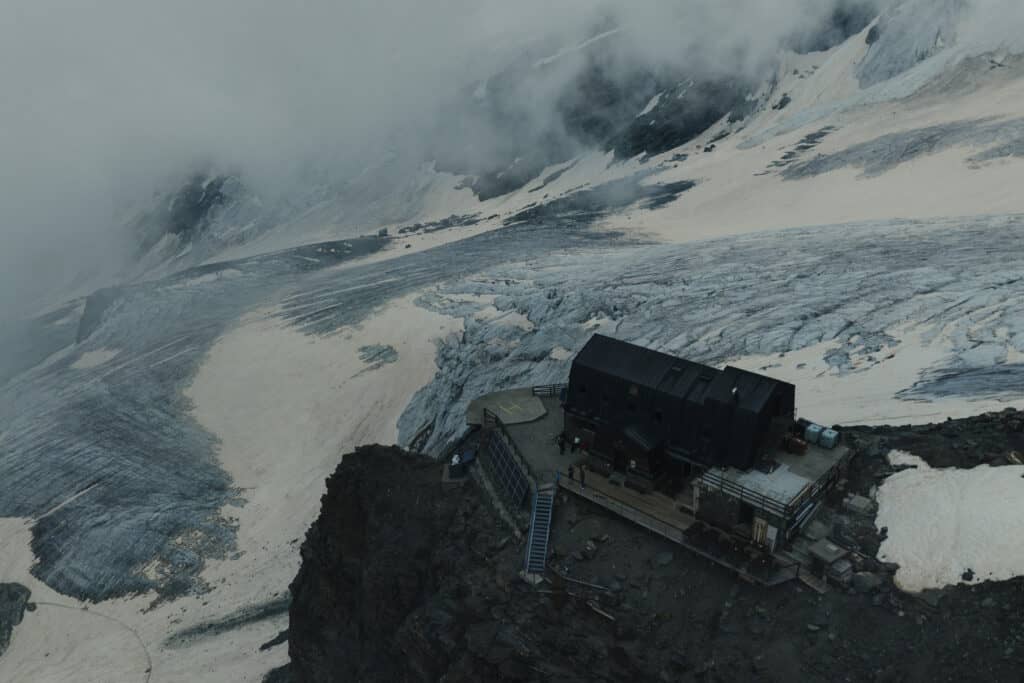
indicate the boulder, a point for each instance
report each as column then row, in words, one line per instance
column 866, row 582
column 663, row 559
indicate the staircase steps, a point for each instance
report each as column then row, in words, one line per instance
column 540, row 529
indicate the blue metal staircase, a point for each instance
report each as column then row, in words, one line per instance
column 540, row 529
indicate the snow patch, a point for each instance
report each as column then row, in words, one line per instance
column 93, row 359
column 945, row 524
column 650, row 105
column 568, row 50
column 560, row 353
column 904, row 459
column 226, row 274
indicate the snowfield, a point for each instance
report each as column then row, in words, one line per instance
column 164, row 447
column 945, row 523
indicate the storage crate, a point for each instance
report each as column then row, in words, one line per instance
column 812, row 433
column 829, row 438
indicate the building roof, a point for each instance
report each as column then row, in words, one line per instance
column 642, row 366
column 675, row 376
column 752, row 391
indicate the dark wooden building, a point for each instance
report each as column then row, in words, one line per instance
column 650, row 414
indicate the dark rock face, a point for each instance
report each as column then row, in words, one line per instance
column 849, row 18
column 377, row 554
column 13, row 603
column 596, row 95
column 682, row 114
column 194, row 202
column 188, row 211
column 585, row 206
column 402, row 580
column 96, row 305
column 992, row 439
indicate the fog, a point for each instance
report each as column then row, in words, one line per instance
column 106, row 103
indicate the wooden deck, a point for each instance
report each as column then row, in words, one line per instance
column 660, row 514
column 654, row 511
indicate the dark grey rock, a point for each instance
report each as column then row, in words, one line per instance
column 663, row 559
column 866, row 582
column 13, row 603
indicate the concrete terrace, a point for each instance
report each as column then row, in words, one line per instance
column 795, row 476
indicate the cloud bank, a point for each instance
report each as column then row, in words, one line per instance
column 106, row 103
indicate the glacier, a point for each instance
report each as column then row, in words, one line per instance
column 164, row 435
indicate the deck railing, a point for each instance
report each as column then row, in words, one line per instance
column 714, row 480
column 549, row 389
column 785, row 511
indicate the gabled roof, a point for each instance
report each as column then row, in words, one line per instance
column 642, row 366
column 675, row 376
column 753, row 391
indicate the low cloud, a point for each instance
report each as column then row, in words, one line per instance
column 106, row 103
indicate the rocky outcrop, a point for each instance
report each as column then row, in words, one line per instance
column 13, row 603
column 377, row 563
column 403, row 580
column 848, row 18
column 601, row 97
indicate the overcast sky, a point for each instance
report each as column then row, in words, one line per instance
column 103, row 102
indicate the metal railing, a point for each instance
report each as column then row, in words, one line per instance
column 785, row 511
column 504, row 463
column 549, row 389
column 713, row 480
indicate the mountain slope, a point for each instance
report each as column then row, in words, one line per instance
column 166, row 437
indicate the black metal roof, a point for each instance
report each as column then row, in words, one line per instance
column 674, row 376
column 642, row 366
column 752, row 391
